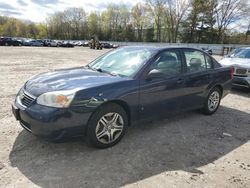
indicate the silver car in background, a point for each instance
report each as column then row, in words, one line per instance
column 241, row 64
column 32, row 42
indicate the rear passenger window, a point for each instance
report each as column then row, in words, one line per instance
column 197, row 61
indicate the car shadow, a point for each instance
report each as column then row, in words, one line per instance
column 245, row 92
column 186, row 142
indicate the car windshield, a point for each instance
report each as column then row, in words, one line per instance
column 123, row 62
column 243, row 54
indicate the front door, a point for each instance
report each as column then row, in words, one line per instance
column 163, row 94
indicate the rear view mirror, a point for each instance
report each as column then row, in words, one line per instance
column 154, row 74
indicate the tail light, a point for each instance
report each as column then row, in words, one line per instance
column 232, row 72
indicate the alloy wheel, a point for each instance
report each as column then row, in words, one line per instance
column 213, row 101
column 109, row 128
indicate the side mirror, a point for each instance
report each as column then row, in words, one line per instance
column 154, row 74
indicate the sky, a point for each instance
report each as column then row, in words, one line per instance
column 38, row 10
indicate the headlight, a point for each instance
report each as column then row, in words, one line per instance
column 59, row 99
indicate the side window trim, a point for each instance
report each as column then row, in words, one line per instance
column 211, row 60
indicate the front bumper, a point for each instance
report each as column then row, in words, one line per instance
column 241, row 81
column 51, row 123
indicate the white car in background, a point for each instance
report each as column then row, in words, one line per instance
column 241, row 64
column 54, row 43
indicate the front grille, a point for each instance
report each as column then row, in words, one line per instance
column 241, row 71
column 26, row 99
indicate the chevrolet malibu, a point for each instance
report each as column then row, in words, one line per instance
column 123, row 87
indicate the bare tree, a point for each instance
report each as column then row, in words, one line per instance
column 157, row 8
column 93, row 24
column 76, row 17
column 140, row 20
column 228, row 12
column 175, row 12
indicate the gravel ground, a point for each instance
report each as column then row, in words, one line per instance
column 186, row 150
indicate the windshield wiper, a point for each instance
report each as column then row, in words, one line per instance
column 89, row 67
column 101, row 70
column 94, row 69
column 104, row 71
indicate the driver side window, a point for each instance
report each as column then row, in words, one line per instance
column 168, row 63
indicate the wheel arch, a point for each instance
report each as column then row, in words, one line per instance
column 219, row 86
column 121, row 103
column 124, row 105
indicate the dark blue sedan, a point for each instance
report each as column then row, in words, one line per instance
column 125, row 86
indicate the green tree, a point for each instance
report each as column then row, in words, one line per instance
column 140, row 19
column 157, row 9
column 93, row 24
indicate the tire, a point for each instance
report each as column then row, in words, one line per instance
column 107, row 126
column 6, row 44
column 212, row 102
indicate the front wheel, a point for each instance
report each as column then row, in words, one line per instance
column 212, row 102
column 107, row 126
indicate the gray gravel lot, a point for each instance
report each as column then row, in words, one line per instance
column 186, row 150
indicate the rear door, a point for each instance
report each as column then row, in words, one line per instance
column 198, row 71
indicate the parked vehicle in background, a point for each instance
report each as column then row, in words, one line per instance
column 122, row 87
column 79, row 43
column 47, row 42
column 41, row 41
column 86, row 44
column 66, row 44
column 241, row 63
column 109, row 45
column 116, row 46
column 8, row 41
column 59, row 42
column 32, row 42
column 208, row 50
column 53, row 43
column 75, row 43
column 234, row 52
column 26, row 42
column 106, row 45
column 21, row 40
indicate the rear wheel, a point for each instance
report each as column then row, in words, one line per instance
column 212, row 102
column 107, row 126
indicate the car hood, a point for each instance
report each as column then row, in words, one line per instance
column 78, row 78
column 236, row 62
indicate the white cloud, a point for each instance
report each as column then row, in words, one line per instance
column 38, row 10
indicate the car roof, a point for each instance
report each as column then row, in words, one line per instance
column 161, row 48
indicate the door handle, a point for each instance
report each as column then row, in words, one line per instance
column 180, row 81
